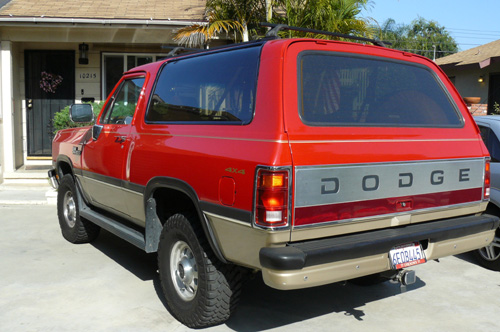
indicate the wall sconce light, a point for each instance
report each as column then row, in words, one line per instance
column 84, row 54
column 480, row 79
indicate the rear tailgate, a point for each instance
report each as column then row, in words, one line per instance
column 379, row 138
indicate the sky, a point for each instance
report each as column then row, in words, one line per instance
column 471, row 22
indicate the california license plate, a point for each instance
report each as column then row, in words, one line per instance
column 406, row 255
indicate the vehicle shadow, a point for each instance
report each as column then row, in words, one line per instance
column 262, row 307
column 133, row 259
column 143, row 265
column 468, row 257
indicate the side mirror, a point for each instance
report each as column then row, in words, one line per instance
column 81, row 113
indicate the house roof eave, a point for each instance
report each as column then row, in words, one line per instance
column 63, row 21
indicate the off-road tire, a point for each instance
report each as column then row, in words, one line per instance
column 186, row 261
column 74, row 228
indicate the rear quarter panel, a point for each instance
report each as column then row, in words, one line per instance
column 204, row 155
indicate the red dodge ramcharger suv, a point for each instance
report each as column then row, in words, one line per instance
column 312, row 161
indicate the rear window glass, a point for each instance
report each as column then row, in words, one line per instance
column 338, row 90
column 211, row 88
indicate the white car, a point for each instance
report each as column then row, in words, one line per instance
column 489, row 125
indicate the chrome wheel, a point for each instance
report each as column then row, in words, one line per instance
column 491, row 252
column 69, row 209
column 184, row 272
column 200, row 291
column 73, row 228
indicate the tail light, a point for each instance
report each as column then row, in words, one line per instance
column 271, row 198
column 487, row 180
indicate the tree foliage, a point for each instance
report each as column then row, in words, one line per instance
column 62, row 120
column 420, row 37
column 230, row 16
column 340, row 16
column 241, row 17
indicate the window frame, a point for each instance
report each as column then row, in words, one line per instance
column 124, row 56
column 108, row 111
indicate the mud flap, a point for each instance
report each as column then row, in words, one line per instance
column 153, row 227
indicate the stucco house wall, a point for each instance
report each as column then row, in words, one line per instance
column 468, row 68
column 109, row 27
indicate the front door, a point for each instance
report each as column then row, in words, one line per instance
column 104, row 159
column 494, row 94
column 50, row 86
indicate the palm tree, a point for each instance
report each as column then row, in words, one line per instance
column 223, row 16
column 199, row 35
column 236, row 15
column 329, row 15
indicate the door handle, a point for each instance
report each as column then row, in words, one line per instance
column 77, row 149
column 120, row 139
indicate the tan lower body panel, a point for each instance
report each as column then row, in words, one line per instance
column 348, row 269
column 240, row 243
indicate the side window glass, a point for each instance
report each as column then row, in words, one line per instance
column 212, row 88
column 493, row 146
column 124, row 102
column 484, row 134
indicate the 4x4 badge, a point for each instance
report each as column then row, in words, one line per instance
column 235, row 170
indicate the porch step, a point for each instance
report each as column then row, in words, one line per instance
column 27, row 195
column 27, row 186
column 28, row 177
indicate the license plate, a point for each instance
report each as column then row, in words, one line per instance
column 406, row 255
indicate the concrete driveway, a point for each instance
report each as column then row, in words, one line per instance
column 48, row 284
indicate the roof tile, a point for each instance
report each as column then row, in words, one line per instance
column 108, row 9
column 472, row 56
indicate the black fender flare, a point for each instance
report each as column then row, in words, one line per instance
column 66, row 160
column 152, row 219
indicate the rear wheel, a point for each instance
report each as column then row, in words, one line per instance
column 73, row 228
column 200, row 290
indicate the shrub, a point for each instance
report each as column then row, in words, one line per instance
column 62, row 121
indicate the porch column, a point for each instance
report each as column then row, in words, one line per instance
column 7, row 106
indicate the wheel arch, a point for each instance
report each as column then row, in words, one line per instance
column 64, row 166
column 166, row 196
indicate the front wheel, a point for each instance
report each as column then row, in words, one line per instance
column 73, row 228
column 200, row 290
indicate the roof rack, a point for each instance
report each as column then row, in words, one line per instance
column 275, row 28
column 180, row 50
column 175, row 51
